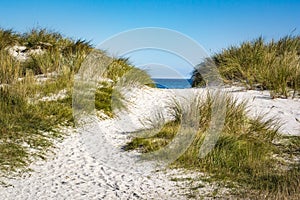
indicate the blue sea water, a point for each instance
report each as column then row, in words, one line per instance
column 172, row 83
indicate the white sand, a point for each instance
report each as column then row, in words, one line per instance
column 83, row 167
column 22, row 53
column 287, row 111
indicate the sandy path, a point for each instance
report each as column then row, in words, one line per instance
column 89, row 167
column 76, row 172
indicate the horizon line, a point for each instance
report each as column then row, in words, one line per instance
column 171, row 77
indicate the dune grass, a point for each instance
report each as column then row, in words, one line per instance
column 249, row 152
column 28, row 128
column 8, row 38
column 27, row 124
column 273, row 66
column 9, row 68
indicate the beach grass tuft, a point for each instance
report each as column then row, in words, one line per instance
column 257, row 64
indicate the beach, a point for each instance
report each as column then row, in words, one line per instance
column 74, row 171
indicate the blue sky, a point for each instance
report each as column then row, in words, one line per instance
column 213, row 24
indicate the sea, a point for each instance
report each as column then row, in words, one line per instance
column 171, row 83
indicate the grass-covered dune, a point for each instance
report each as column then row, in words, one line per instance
column 273, row 65
column 36, row 80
